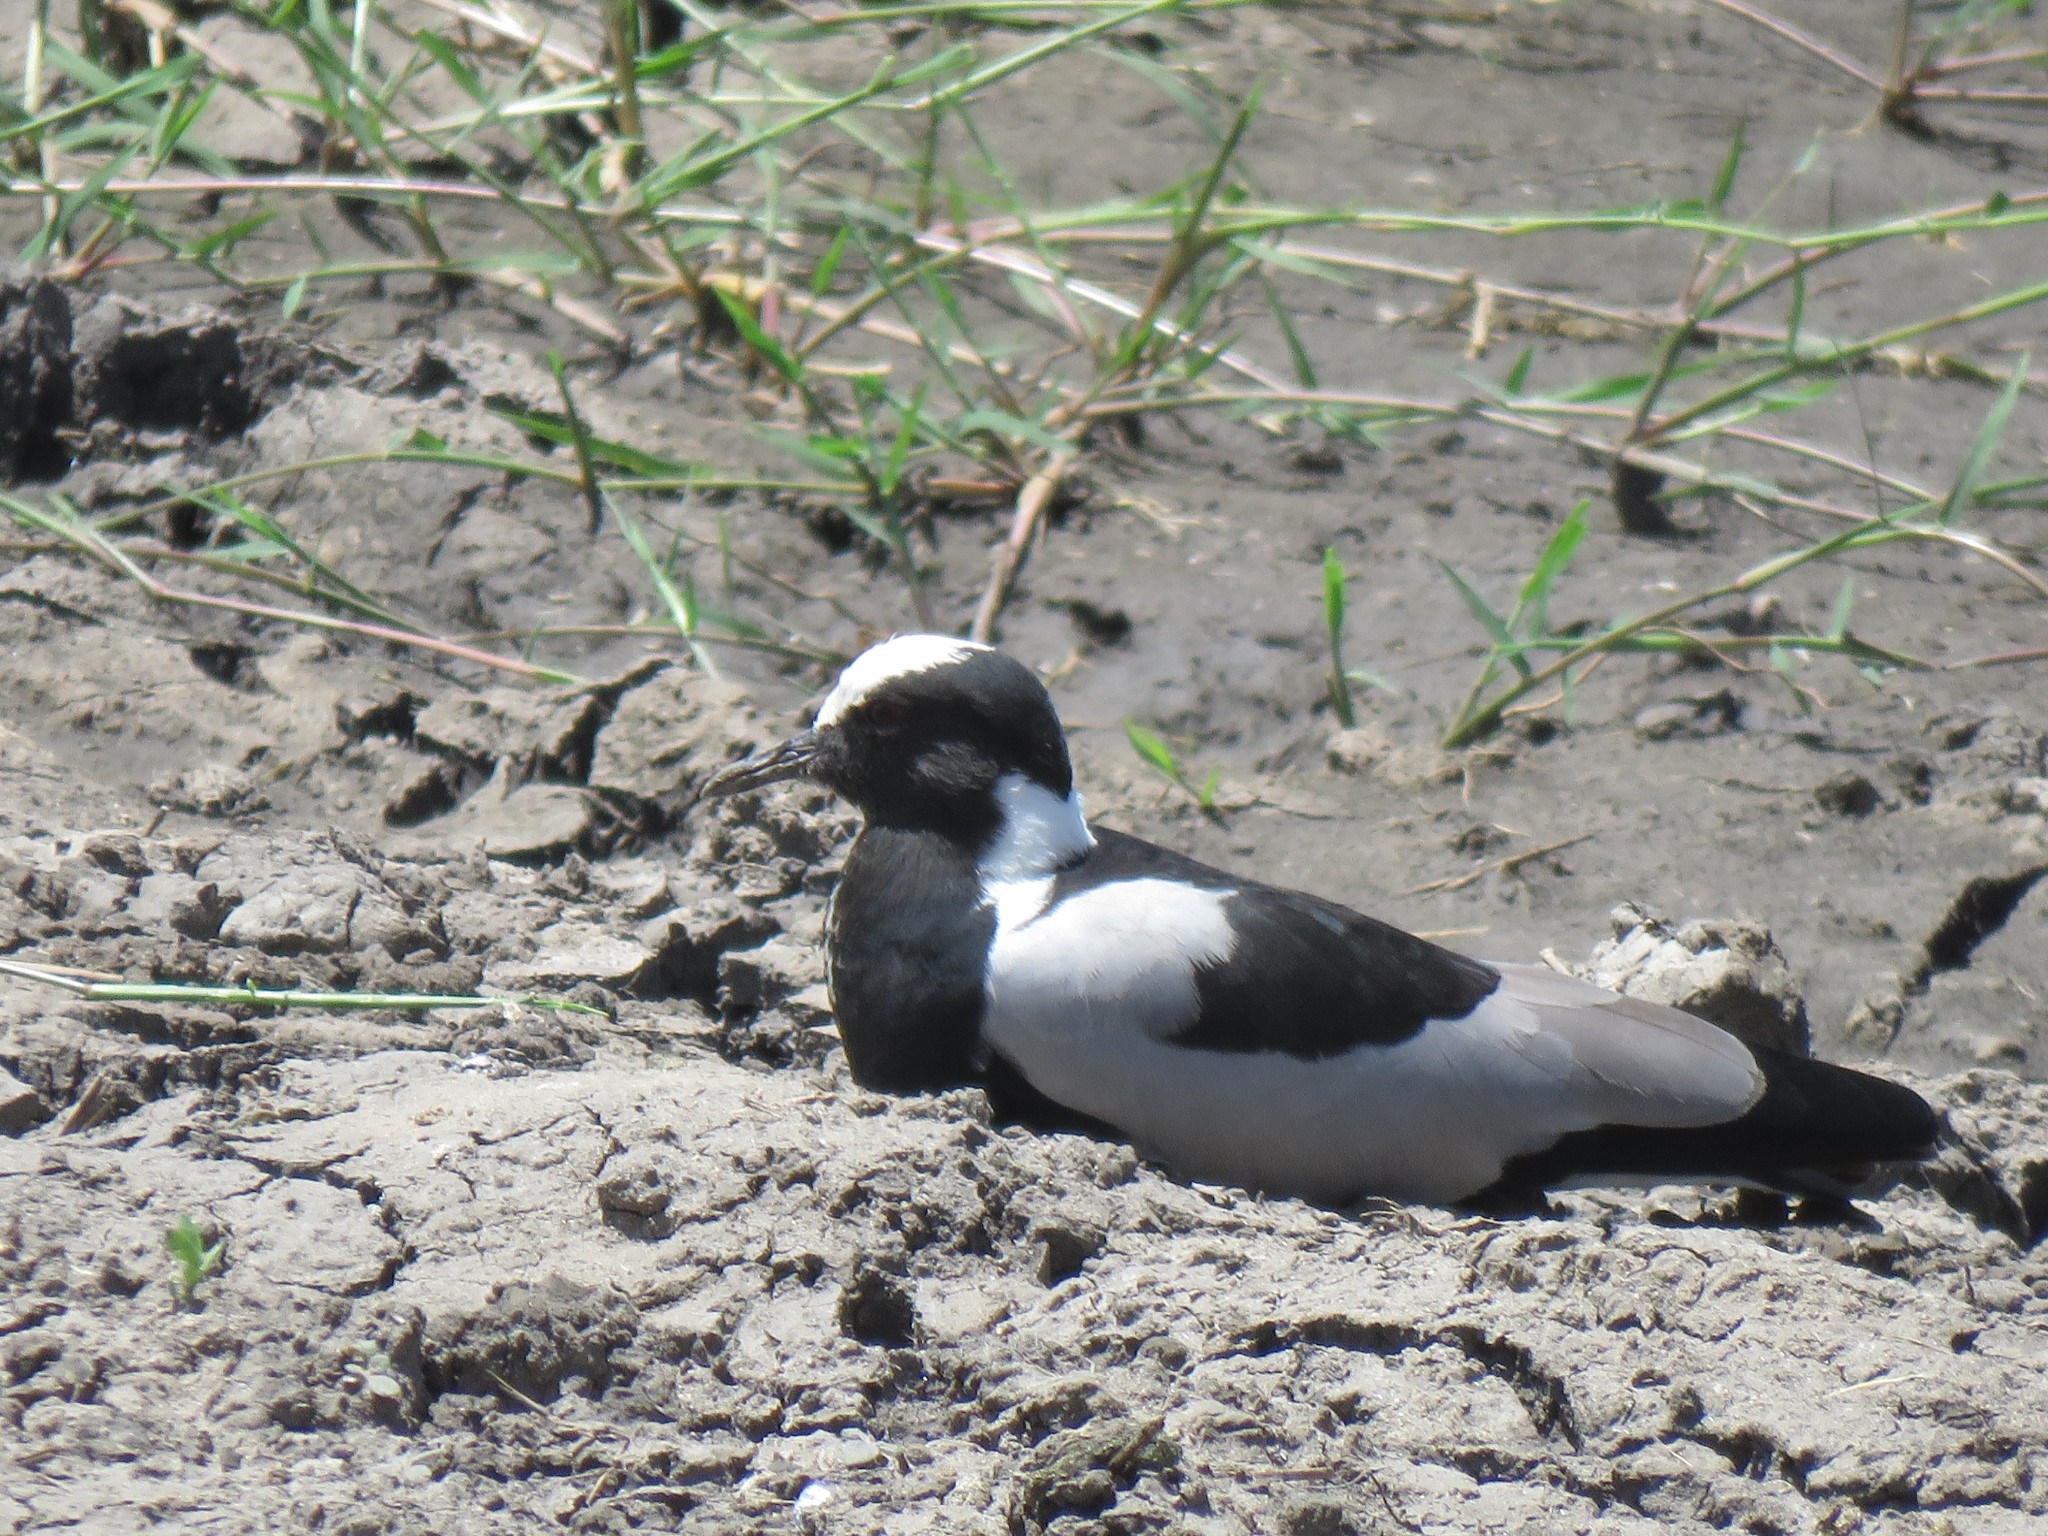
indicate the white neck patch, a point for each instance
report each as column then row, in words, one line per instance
column 1040, row 833
column 884, row 663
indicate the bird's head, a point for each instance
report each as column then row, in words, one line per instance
column 917, row 733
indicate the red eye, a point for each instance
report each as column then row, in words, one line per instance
column 888, row 713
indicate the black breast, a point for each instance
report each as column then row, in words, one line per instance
column 909, row 944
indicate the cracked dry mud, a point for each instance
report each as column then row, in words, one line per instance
column 666, row 1268
column 671, row 1269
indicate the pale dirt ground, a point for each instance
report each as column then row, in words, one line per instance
column 669, row 1268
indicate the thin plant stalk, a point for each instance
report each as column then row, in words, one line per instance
column 101, row 991
column 79, row 536
column 1482, row 710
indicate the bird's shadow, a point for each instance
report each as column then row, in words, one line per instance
column 1756, row 1209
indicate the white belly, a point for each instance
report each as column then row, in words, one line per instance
column 1431, row 1119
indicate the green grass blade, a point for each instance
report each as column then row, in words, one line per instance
column 834, row 457
column 1616, row 386
column 1334, row 577
column 1304, row 369
column 1379, row 682
column 1782, row 664
column 680, row 601
column 1176, row 86
column 1797, row 314
column 1333, row 618
column 267, row 530
column 1845, row 601
column 222, row 242
column 179, row 114
column 1024, row 58
column 1189, row 242
column 1964, row 491
column 552, row 428
column 1724, row 179
column 72, row 204
column 911, row 416
column 108, row 92
column 690, row 170
column 748, row 324
column 821, row 279
column 1533, row 605
column 586, row 466
column 1518, row 376
column 1154, row 751
column 1495, row 627
column 1004, row 424
column 340, row 1002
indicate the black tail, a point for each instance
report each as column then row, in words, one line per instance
column 1817, row 1129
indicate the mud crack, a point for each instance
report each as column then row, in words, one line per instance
column 1543, row 1394
column 1983, row 906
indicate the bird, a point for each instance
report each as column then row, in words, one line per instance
column 1240, row 1033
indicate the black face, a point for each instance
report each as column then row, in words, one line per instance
column 923, row 751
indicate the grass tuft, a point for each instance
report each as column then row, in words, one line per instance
column 927, row 323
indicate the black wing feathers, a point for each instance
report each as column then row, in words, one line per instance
column 1314, row 979
column 1814, row 1119
column 1305, row 977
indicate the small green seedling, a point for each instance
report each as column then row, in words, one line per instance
column 1160, row 756
column 1333, row 616
column 1343, row 679
column 368, row 1370
column 196, row 1261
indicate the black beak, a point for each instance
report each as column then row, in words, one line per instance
column 791, row 760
